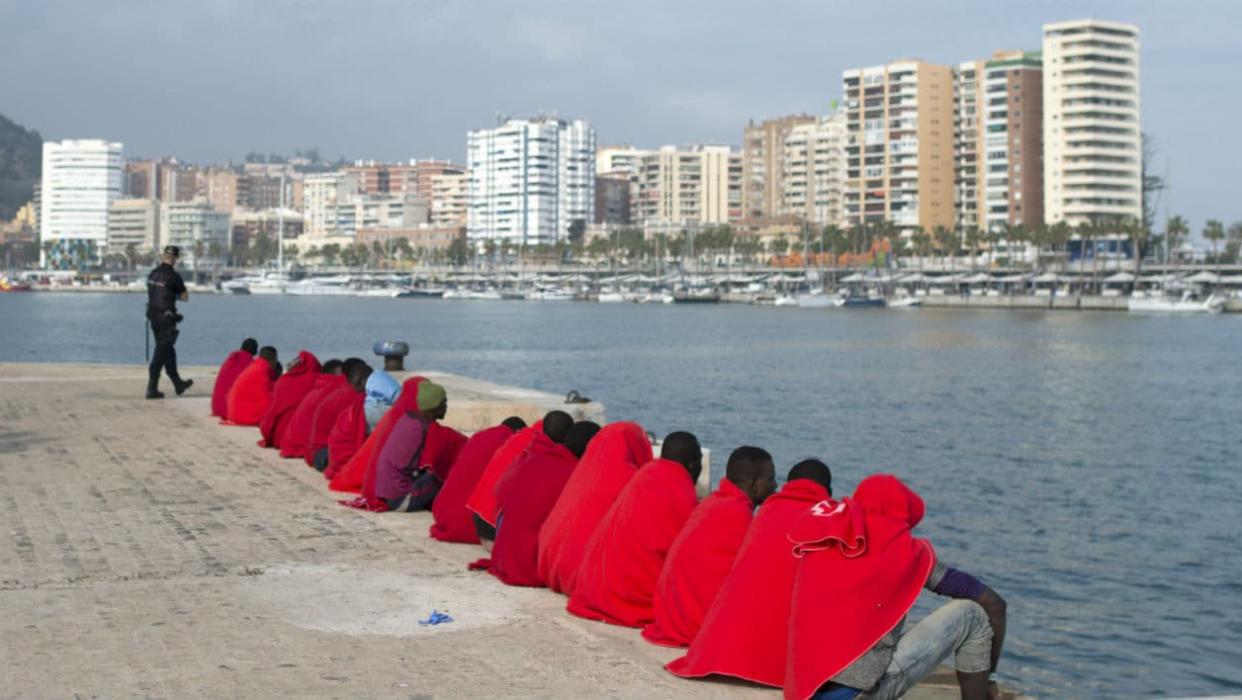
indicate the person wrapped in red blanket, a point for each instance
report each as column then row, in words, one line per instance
column 482, row 501
column 232, row 367
column 525, row 496
column 453, row 521
column 703, row 552
column 289, row 390
column 861, row 571
column 439, row 449
column 251, row 393
column 296, row 440
column 745, row 631
column 612, row 458
column 354, row 424
column 626, row 553
column 344, row 398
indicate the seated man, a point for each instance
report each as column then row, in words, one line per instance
column 860, row 571
column 453, row 521
column 703, row 553
column 398, row 481
column 297, row 438
column 232, row 367
column 525, row 496
column 287, row 393
column 745, row 632
column 482, row 501
column 611, row 460
column 381, row 391
column 347, row 396
column 623, row 559
column 251, row 394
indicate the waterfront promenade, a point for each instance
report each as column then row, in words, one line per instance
column 149, row 551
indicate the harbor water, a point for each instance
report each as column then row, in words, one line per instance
column 1086, row 465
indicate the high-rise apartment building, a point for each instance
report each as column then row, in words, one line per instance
column 320, row 194
column 1013, row 187
column 968, row 154
column 530, row 180
column 421, row 180
column 763, row 156
column 899, row 145
column 612, row 198
column 618, row 159
column 81, row 178
column 219, row 187
column 999, row 151
column 1093, row 148
column 691, row 186
column 814, row 170
column 134, row 222
column 370, row 211
column 195, row 227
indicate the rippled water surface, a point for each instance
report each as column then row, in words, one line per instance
column 1087, row 466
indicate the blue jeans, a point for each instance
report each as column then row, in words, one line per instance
column 960, row 628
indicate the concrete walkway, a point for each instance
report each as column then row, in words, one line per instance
column 148, row 551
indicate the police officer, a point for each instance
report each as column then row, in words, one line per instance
column 164, row 288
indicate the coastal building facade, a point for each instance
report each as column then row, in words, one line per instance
column 899, row 145
column 81, row 179
column 530, row 180
column 134, row 222
column 449, row 198
column 694, row 185
column 320, row 194
column 202, row 233
column 1092, row 137
column 763, row 169
column 814, row 170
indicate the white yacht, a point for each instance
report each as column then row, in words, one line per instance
column 1157, row 303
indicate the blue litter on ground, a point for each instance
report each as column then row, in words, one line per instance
column 436, row 618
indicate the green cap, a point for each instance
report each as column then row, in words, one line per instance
column 430, row 395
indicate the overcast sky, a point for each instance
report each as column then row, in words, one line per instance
column 212, row 80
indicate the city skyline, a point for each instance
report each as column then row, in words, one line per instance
column 557, row 58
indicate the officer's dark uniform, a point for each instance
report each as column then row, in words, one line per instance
column 164, row 286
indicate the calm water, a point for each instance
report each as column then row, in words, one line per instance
column 1087, row 466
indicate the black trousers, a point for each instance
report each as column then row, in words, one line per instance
column 165, row 356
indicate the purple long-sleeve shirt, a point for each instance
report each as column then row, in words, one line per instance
column 404, row 444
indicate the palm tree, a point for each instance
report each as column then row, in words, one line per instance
column 1214, row 232
column 1176, row 229
column 1235, row 241
column 1139, row 235
column 947, row 241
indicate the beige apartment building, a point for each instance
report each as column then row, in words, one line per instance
column 449, row 198
column 134, row 222
column 999, row 156
column 899, row 145
column 813, row 171
column 1091, row 132
column 690, row 186
column 763, row 158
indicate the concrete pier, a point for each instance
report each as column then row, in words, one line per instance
column 149, row 551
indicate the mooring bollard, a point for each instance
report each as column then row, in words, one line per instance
column 393, row 352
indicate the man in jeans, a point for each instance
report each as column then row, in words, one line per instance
column 861, row 571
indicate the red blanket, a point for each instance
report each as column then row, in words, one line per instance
column 290, row 389
column 230, row 369
column 251, row 393
column 347, row 436
column 482, row 501
column 440, row 448
column 746, row 630
column 627, row 551
column 697, row 565
column 345, row 398
column 612, row 457
column 296, row 439
column 453, row 520
column 525, row 496
column 861, row 571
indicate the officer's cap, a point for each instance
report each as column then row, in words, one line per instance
column 172, row 250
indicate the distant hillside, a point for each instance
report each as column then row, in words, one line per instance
column 21, row 161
